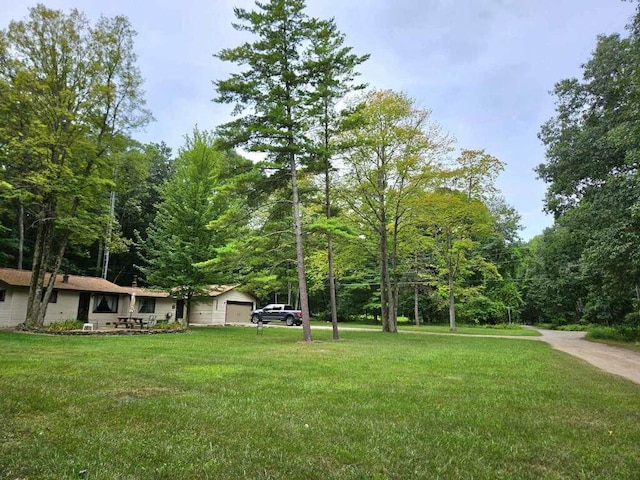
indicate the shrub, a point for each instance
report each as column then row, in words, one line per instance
column 632, row 319
column 481, row 310
column 620, row 334
column 545, row 326
column 630, row 334
column 504, row 326
column 573, row 327
column 168, row 326
column 65, row 325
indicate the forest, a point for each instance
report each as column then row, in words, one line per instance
column 361, row 207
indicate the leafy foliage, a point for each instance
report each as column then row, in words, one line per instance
column 70, row 92
column 587, row 267
column 180, row 236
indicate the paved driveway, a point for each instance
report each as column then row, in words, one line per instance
column 616, row 360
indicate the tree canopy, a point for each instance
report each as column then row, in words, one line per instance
column 591, row 168
column 70, row 92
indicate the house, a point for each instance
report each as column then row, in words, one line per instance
column 224, row 305
column 151, row 302
column 89, row 299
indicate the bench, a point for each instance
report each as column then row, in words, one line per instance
column 126, row 321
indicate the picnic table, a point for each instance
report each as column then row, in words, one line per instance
column 129, row 322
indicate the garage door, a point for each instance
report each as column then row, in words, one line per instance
column 238, row 312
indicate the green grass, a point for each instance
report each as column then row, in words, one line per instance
column 227, row 403
column 503, row 330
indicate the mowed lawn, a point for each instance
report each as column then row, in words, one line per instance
column 227, row 403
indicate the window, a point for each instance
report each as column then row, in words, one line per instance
column 2, row 294
column 105, row 303
column 53, row 298
column 146, row 305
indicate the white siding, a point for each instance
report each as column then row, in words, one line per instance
column 13, row 310
column 202, row 312
column 66, row 308
column 213, row 311
column 165, row 306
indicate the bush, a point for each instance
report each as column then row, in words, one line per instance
column 573, row 327
column 632, row 319
column 546, row 326
column 168, row 326
column 504, row 326
column 619, row 334
column 481, row 310
column 65, row 325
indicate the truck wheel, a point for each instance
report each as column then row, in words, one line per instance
column 289, row 320
column 255, row 318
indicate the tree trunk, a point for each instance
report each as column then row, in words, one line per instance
column 100, row 256
column 332, row 290
column 41, row 251
column 302, row 277
column 395, row 287
column 393, row 304
column 35, row 284
column 20, row 235
column 385, row 281
column 452, row 267
column 332, row 280
column 63, row 239
column 416, row 303
column 188, row 309
column 452, row 306
column 386, row 294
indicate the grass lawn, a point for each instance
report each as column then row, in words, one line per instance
column 227, row 403
column 515, row 330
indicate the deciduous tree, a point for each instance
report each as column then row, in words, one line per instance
column 395, row 156
column 70, row 88
column 457, row 224
column 180, row 237
column 592, row 168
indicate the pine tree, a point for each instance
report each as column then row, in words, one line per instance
column 271, row 98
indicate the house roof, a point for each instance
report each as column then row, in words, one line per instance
column 22, row 278
column 145, row 292
column 217, row 290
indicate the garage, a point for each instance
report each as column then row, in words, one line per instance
column 225, row 305
column 238, row 312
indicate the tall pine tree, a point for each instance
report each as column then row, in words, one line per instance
column 274, row 95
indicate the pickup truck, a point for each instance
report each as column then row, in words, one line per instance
column 279, row 312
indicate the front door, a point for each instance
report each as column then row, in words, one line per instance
column 180, row 309
column 84, row 304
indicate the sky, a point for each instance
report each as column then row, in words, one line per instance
column 485, row 68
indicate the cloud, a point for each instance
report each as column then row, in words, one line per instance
column 484, row 67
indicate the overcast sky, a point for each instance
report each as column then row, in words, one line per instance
column 484, row 67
